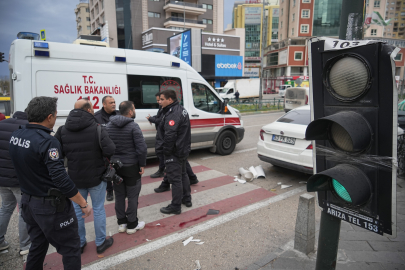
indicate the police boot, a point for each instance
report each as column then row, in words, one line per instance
column 170, row 210
column 193, row 181
column 162, row 188
column 110, row 195
column 158, row 174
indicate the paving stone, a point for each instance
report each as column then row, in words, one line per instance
column 400, row 237
column 394, row 266
column 376, row 256
column 401, row 226
column 252, row 267
column 266, row 259
column 359, row 236
column 387, row 246
column 355, row 245
column 345, row 226
column 360, row 266
column 292, row 263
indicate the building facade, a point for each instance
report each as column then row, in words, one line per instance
column 82, row 13
column 126, row 20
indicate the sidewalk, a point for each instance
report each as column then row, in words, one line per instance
column 358, row 248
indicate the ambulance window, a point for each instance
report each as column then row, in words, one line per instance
column 204, row 99
column 142, row 89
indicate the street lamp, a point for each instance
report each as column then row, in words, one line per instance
column 184, row 14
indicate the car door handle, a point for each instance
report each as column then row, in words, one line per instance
column 195, row 115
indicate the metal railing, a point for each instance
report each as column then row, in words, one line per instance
column 184, row 4
column 177, row 19
column 252, row 106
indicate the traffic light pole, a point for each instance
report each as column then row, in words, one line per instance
column 328, row 242
column 264, row 37
column 351, row 20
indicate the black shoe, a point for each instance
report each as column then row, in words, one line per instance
column 110, row 195
column 104, row 246
column 193, row 181
column 158, row 174
column 170, row 210
column 162, row 189
column 187, row 204
column 82, row 248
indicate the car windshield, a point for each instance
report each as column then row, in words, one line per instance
column 298, row 117
column 282, row 87
column 224, row 90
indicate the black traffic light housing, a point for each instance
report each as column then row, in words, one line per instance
column 1, row 57
column 353, row 106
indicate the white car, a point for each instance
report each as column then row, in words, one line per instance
column 282, row 88
column 282, row 143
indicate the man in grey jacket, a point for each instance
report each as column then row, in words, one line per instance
column 131, row 150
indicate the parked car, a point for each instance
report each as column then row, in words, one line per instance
column 282, row 143
column 282, row 88
column 296, row 97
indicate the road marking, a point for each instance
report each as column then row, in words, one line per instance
column 165, row 241
column 235, row 152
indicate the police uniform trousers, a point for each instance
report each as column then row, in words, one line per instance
column 191, row 175
column 45, row 225
column 176, row 173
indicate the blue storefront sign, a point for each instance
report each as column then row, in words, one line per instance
column 180, row 46
column 228, row 65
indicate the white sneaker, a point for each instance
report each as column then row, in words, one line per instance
column 122, row 228
column 24, row 252
column 141, row 225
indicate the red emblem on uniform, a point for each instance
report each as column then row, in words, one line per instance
column 171, row 122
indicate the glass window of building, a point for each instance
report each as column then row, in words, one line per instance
column 326, row 17
column 209, row 21
column 398, row 57
column 204, row 21
column 204, row 6
column 102, row 4
column 306, row 1
column 373, row 32
column 88, row 19
column 88, row 27
column 282, row 12
column 151, row 15
column 402, row 13
column 305, row 13
column 96, row 9
column 304, row 28
column 293, row 3
column 274, row 30
column 281, row 25
column 377, row 3
column 293, row 17
column 87, row 10
column 209, row 6
column 273, row 59
column 298, row 56
column 102, row 18
column 292, row 31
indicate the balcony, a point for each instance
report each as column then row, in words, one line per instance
column 180, row 7
column 181, row 22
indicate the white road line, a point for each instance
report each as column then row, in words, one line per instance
column 236, row 152
column 165, row 241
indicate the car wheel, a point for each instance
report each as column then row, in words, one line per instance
column 226, row 143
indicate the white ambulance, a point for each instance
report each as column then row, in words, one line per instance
column 71, row 72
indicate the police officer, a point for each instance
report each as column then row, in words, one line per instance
column 46, row 187
column 175, row 133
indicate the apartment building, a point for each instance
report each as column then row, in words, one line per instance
column 125, row 20
column 82, row 13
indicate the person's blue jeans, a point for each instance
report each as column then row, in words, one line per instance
column 97, row 195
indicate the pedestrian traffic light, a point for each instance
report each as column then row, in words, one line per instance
column 1, row 57
column 354, row 128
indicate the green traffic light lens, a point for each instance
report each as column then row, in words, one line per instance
column 341, row 191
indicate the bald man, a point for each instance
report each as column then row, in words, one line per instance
column 85, row 152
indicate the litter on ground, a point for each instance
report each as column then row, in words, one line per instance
column 285, row 186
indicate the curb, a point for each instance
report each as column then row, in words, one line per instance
column 261, row 112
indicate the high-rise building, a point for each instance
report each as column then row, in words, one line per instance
column 125, row 20
column 82, row 12
column 393, row 10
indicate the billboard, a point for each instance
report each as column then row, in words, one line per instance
column 228, row 65
column 253, row 15
column 251, row 72
column 180, row 46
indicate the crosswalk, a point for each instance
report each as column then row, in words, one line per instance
column 215, row 190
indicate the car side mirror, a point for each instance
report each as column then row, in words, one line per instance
column 224, row 107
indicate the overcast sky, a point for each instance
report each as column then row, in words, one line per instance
column 57, row 17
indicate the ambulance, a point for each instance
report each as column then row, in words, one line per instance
column 70, row 72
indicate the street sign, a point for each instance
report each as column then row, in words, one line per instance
column 43, row 35
column 354, row 128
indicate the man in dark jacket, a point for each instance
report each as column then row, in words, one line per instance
column 10, row 191
column 174, row 133
column 103, row 117
column 131, row 151
column 81, row 145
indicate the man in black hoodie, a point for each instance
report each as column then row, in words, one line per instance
column 81, row 145
column 10, row 191
column 174, row 134
column 103, row 117
column 131, row 151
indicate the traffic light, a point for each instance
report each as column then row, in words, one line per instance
column 354, row 126
column 1, row 57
